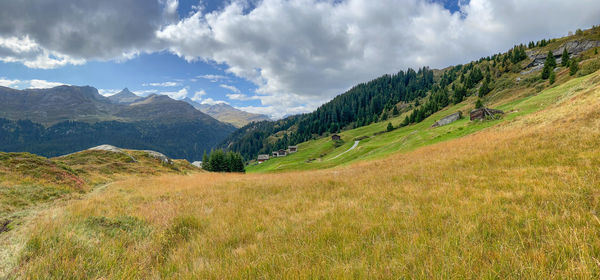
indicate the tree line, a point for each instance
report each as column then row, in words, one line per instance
column 221, row 161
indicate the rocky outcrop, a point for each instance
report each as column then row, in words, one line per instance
column 448, row 119
column 159, row 156
column 574, row 48
column 150, row 153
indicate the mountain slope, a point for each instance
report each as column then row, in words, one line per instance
column 226, row 113
column 49, row 106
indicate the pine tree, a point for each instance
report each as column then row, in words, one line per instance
column 596, row 51
column 552, row 77
column 478, row 104
column 395, row 111
column 550, row 60
column 574, row 67
column 390, row 127
column 205, row 164
column 565, row 58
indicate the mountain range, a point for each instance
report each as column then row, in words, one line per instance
column 65, row 119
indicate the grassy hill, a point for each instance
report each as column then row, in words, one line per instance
column 375, row 142
column 518, row 199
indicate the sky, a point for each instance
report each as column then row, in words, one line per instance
column 274, row 57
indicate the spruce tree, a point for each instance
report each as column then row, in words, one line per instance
column 565, row 58
column 550, row 60
column 552, row 77
column 205, row 164
column 478, row 104
column 390, row 127
column 395, row 111
column 574, row 67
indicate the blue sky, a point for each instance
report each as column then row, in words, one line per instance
column 276, row 57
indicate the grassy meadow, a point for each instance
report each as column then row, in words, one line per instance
column 519, row 199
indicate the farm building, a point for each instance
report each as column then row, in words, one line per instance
column 292, row 149
column 262, row 158
column 448, row 119
column 281, row 153
column 482, row 113
column 335, row 137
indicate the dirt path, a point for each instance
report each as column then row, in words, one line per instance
column 351, row 148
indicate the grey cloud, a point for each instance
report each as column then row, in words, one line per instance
column 86, row 29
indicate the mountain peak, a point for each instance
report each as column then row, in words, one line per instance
column 124, row 97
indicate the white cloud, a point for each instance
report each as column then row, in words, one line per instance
column 213, row 78
column 198, row 95
column 230, row 87
column 241, row 96
column 163, row 84
column 145, row 92
column 309, row 49
column 180, row 94
column 44, row 84
column 9, row 83
column 211, row 101
column 108, row 92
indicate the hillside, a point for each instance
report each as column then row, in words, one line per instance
column 422, row 93
column 65, row 119
column 30, row 183
column 516, row 200
column 226, row 113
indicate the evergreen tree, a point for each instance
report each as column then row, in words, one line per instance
column 565, row 58
column 205, row 164
column 550, row 60
column 552, row 77
column 390, row 127
column 478, row 104
column 395, row 111
column 596, row 51
column 574, row 67
column 484, row 89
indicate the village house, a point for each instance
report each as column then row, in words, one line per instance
column 262, row 158
column 281, row 153
column 292, row 149
column 336, row 137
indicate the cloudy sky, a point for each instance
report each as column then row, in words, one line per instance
column 275, row 57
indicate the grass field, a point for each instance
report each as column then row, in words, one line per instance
column 516, row 200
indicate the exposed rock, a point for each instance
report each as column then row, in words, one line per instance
column 159, row 156
column 574, row 48
column 448, row 119
column 197, row 164
column 108, row 148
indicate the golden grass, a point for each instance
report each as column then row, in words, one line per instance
column 515, row 201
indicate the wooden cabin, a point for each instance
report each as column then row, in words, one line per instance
column 262, row 158
column 336, row 137
column 483, row 113
column 292, row 149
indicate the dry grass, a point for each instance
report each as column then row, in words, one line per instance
column 515, row 201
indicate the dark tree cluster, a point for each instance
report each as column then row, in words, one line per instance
column 221, row 161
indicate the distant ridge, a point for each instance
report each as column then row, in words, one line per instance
column 226, row 113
